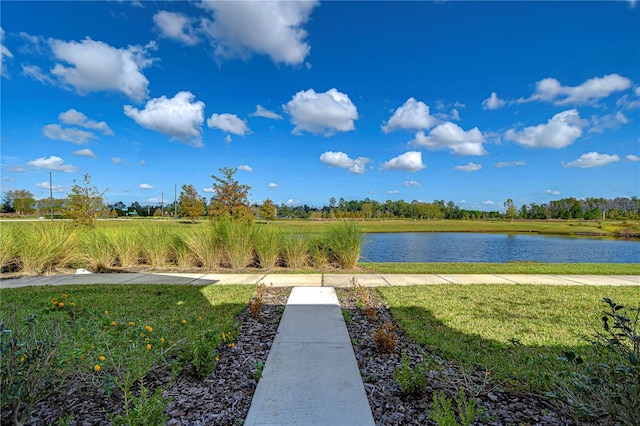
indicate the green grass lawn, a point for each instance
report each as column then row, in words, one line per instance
column 501, row 268
column 516, row 332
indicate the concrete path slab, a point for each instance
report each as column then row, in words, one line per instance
column 311, row 376
column 292, row 280
column 222, row 279
column 346, row 280
column 536, row 279
column 413, row 279
column 599, row 280
column 474, row 279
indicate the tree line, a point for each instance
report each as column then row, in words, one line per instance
column 230, row 199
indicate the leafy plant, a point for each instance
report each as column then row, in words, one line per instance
column 443, row 414
column 412, row 381
column 606, row 385
column 144, row 409
column 257, row 374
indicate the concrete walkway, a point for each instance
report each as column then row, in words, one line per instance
column 320, row 280
column 311, row 376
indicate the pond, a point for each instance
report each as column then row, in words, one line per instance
column 472, row 247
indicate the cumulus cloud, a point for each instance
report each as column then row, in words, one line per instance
column 176, row 26
column 96, row 66
column 208, row 189
column 273, row 185
column 342, row 160
column 46, row 185
column 116, row 160
column 36, row 73
column 559, row 131
column 85, row 153
column 409, row 162
column 552, row 191
column 57, row 132
column 632, row 157
column 412, row 115
column 493, row 102
column 271, row 28
column 245, row 168
column 471, row 167
column 229, row 123
column 488, row 203
column 592, row 90
column 409, row 183
column 4, row 53
column 76, row 118
column 179, row 117
column 321, row 113
column 265, row 113
column 592, row 159
column 52, row 163
column 607, row 122
column 503, row 164
column 451, row 136
column 145, row 186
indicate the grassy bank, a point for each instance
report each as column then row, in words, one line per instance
column 502, row 268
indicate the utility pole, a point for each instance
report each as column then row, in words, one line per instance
column 51, row 195
column 162, row 204
column 175, row 202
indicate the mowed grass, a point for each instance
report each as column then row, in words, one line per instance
column 515, row 332
column 501, row 268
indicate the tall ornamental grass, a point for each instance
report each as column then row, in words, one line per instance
column 97, row 252
column 237, row 240
column 268, row 243
column 296, row 251
column 127, row 246
column 158, row 246
column 205, row 246
column 46, row 247
column 344, row 241
column 11, row 239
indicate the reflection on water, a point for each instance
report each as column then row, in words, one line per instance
column 471, row 247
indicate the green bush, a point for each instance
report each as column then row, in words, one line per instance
column 412, row 381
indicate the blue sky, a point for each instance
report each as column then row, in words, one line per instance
column 470, row 102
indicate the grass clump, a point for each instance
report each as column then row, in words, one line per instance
column 158, row 249
column 296, row 251
column 46, row 247
column 11, row 239
column 268, row 246
column 205, row 245
column 127, row 245
column 98, row 253
column 344, row 242
column 237, row 240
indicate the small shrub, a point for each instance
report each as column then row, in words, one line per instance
column 201, row 355
column 443, row 414
column 412, row 381
column 385, row 337
column 255, row 304
column 143, row 410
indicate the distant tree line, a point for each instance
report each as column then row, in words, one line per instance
column 230, row 199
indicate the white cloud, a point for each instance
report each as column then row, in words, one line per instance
column 560, row 131
column 412, row 115
column 228, row 139
column 76, row 118
column 273, row 185
column 85, row 153
column 409, row 162
column 488, row 203
column 265, row 113
column 502, row 164
column 292, row 202
column 54, row 188
column 116, row 160
column 592, row 159
column 229, row 123
column 592, row 90
column 179, row 117
column 57, row 132
column 325, row 113
column 176, row 26
column 272, row 28
column 451, row 136
column 552, row 192
column 471, row 167
column 245, row 168
column 607, row 122
column 393, row 191
column 97, row 66
column 208, row 189
column 342, row 160
column 145, row 186
column 409, row 183
column 143, row 162
column 36, row 73
column 632, row 157
column 493, row 102
column 52, row 163
column 4, row 52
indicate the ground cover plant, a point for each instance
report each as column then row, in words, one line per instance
column 104, row 341
column 518, row 334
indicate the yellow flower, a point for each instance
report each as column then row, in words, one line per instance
column 162, row 340
column 22, row 358
column 106, row 312
column 232, row 345
column 148, row 328
column 72, row 303
column 148, row 346
column 224, row 337
column 184, row 321
column 132, row 323
column 113, row 323
column 54, row 301
column 97, row 367
column 60, row 305
column 217, row 358
column 102, row 358
column 142, row 334
column 199, row 318
column 64, row 295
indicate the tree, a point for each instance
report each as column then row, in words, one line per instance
column 20, row 200
column 190, row 204
column 511, row 212
column 84, row 203
column 268, row 210
column 230, row 199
